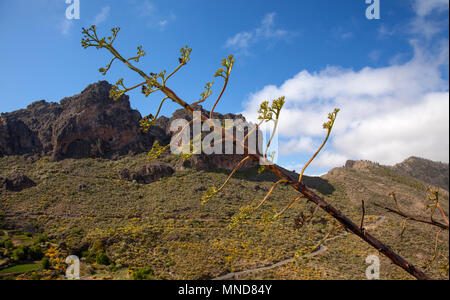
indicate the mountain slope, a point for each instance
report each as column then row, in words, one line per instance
column 84, row 207
column 434, row 173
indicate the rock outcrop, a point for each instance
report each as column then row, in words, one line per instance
column 361, row 165
column 203, row 161
column 89, row 124
column 147, row 174
column 16, row 182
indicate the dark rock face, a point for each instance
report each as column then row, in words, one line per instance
column 213, row 161
column 147, row 174
column 16, row 182
column 89, row 124
column 350, row 164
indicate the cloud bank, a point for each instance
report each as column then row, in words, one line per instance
column 387, row 114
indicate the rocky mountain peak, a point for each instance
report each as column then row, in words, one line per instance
column 90, row 124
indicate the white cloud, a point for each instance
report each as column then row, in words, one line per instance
column 385, row 31
column 388, row 114
column 428, row 20
column 426, row 27
column 420, row 129
column 425, row 7
column 155, row 18
column 266, row 31
column 297, row 145
column 241, row 40
column 65, row 26
column 329, row 159
column 341, row 34
column 424, row 24
column 102, row 15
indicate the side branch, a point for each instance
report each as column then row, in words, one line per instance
column 413, row 218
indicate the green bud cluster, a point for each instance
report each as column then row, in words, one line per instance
column 204, row 95
column 185, row 55
column 90, row 38
column 146, row 123
column 271, row 113
column 227, row 66
column 210, row 192
column 332, row 118
column 157, row 151
column 116, row 92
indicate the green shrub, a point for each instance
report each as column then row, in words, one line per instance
column 45, row 263
column 113, row 267
column 19, row 254
column 7, row 244
column 102, row 259
column 42, row 238
column 90, row 256
column 143, row 274
column 35, row 253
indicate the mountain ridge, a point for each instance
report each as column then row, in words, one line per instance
column 91, row 125
column 430, row 172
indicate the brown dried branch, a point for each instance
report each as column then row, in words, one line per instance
column 325, row 238
column 435, row 253
column 269, row 193
column 292, row 202
column 413, row 218
column 276, row 170
column 433, row 197
column 328, row 208
column 363, row 215
column 403, row 227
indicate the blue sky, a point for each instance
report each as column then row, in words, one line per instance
column 389, row 76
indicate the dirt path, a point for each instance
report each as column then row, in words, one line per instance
column 322, row 249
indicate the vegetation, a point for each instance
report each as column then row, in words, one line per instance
column 142, row 274
column 21, row 269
